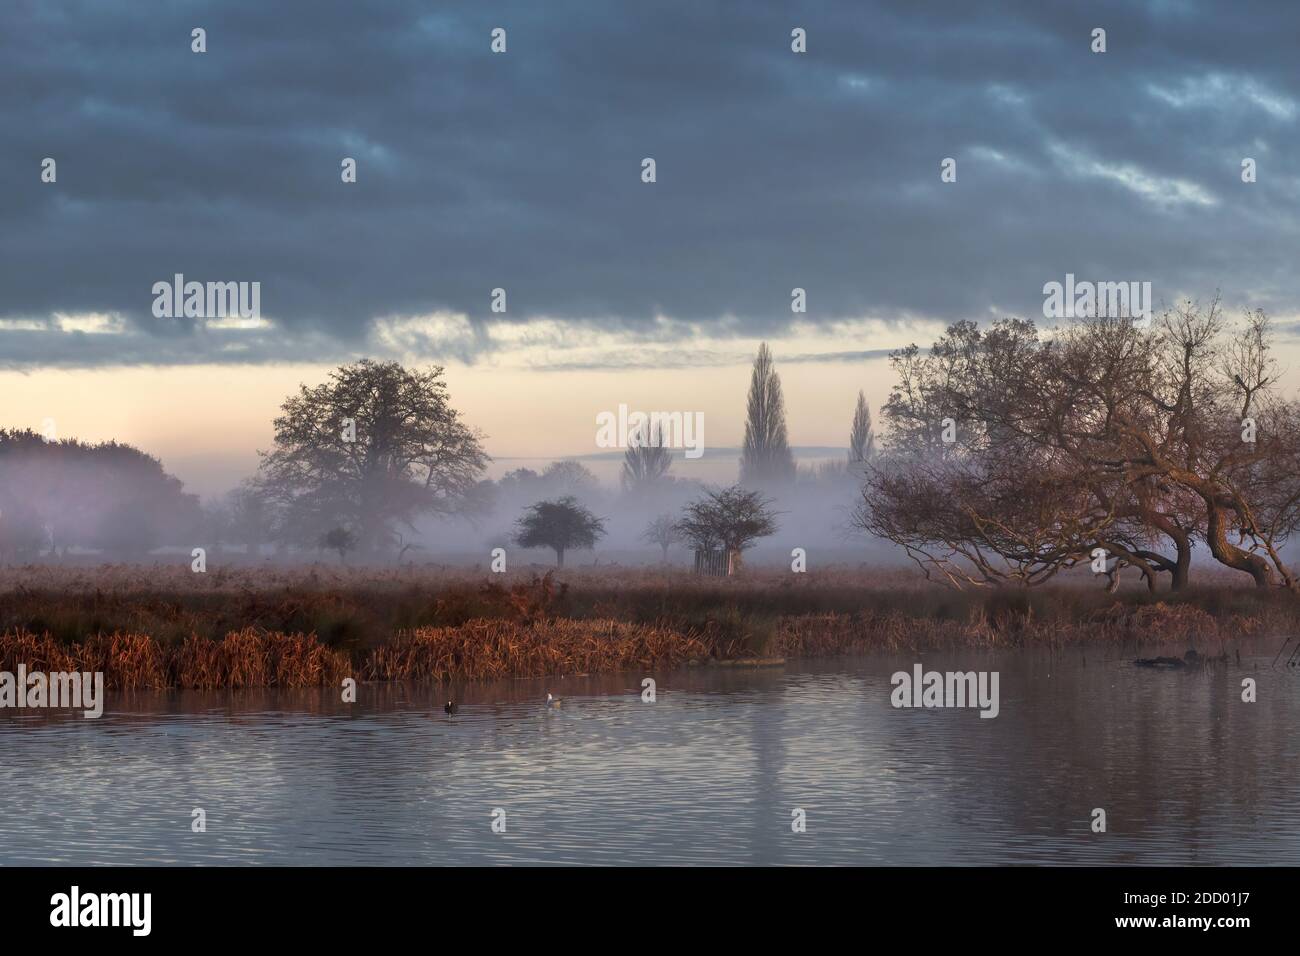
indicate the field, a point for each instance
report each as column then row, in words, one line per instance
column 164, row 626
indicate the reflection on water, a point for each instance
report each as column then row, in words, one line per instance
column 1186, row 772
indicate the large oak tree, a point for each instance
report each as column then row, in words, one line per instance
column 370, row 451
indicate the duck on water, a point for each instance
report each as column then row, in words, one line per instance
column 1190, row 659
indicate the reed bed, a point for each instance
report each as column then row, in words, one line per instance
column 1157, row 624
column 491, row 649
column 36, row 653
column 138, row 662
column 159, row 626
column 483, row 649
column 488, row 649
column 248, row 658
column 128, row 661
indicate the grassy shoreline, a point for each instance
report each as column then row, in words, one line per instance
column 159, row 627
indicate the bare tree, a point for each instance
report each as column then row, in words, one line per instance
column 646, row 462
column 1106, row 435
column 663, row 532
column 1228, row 438
column 731, row 518
column 965, row 489
column 967, row 523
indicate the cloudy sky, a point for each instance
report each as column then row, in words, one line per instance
column 523, row 171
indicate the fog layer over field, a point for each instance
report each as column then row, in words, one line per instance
column 65, row 500
column 1009, row 456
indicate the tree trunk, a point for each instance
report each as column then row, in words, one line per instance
column 1183, row 566
column 1225, row 552
column 559, row 557
column 1180, row 568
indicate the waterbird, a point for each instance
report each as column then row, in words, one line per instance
column 1191, row 659
column 553, row 701
column 449, row 708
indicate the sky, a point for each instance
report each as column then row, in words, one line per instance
column 523, row 171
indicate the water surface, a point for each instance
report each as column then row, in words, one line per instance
column 709, row 773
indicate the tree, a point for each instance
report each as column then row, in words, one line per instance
column 765, row 458
column 214, row 525
column 1139, row 441
column 731, row 518
column 107, row 495
column 862, row 443
column 662, row 531
column 370, row 450
column 568, row 478
column 559, row 525
column 645, row 463
column 339, row 539
column 1210, row 393
column 984, row 480
column 250, row 517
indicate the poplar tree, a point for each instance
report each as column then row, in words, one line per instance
column 862, row 443
column 766, row 458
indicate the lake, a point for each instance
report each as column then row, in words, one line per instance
column 709, row 773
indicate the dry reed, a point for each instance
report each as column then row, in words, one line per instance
column 293, row 627
column 1181, row 624
column 137, row 661
column 487, row 649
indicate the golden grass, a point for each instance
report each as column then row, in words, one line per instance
column 136, row 661
column 162, row 626
column 483, row 649
column 488, row 649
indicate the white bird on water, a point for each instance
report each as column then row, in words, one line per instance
column 553, row 701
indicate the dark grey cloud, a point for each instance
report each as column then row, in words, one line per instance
column 522, row 170
column 692, row 356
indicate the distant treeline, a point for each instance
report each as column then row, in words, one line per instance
column 371, row 460
column 56, row 495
